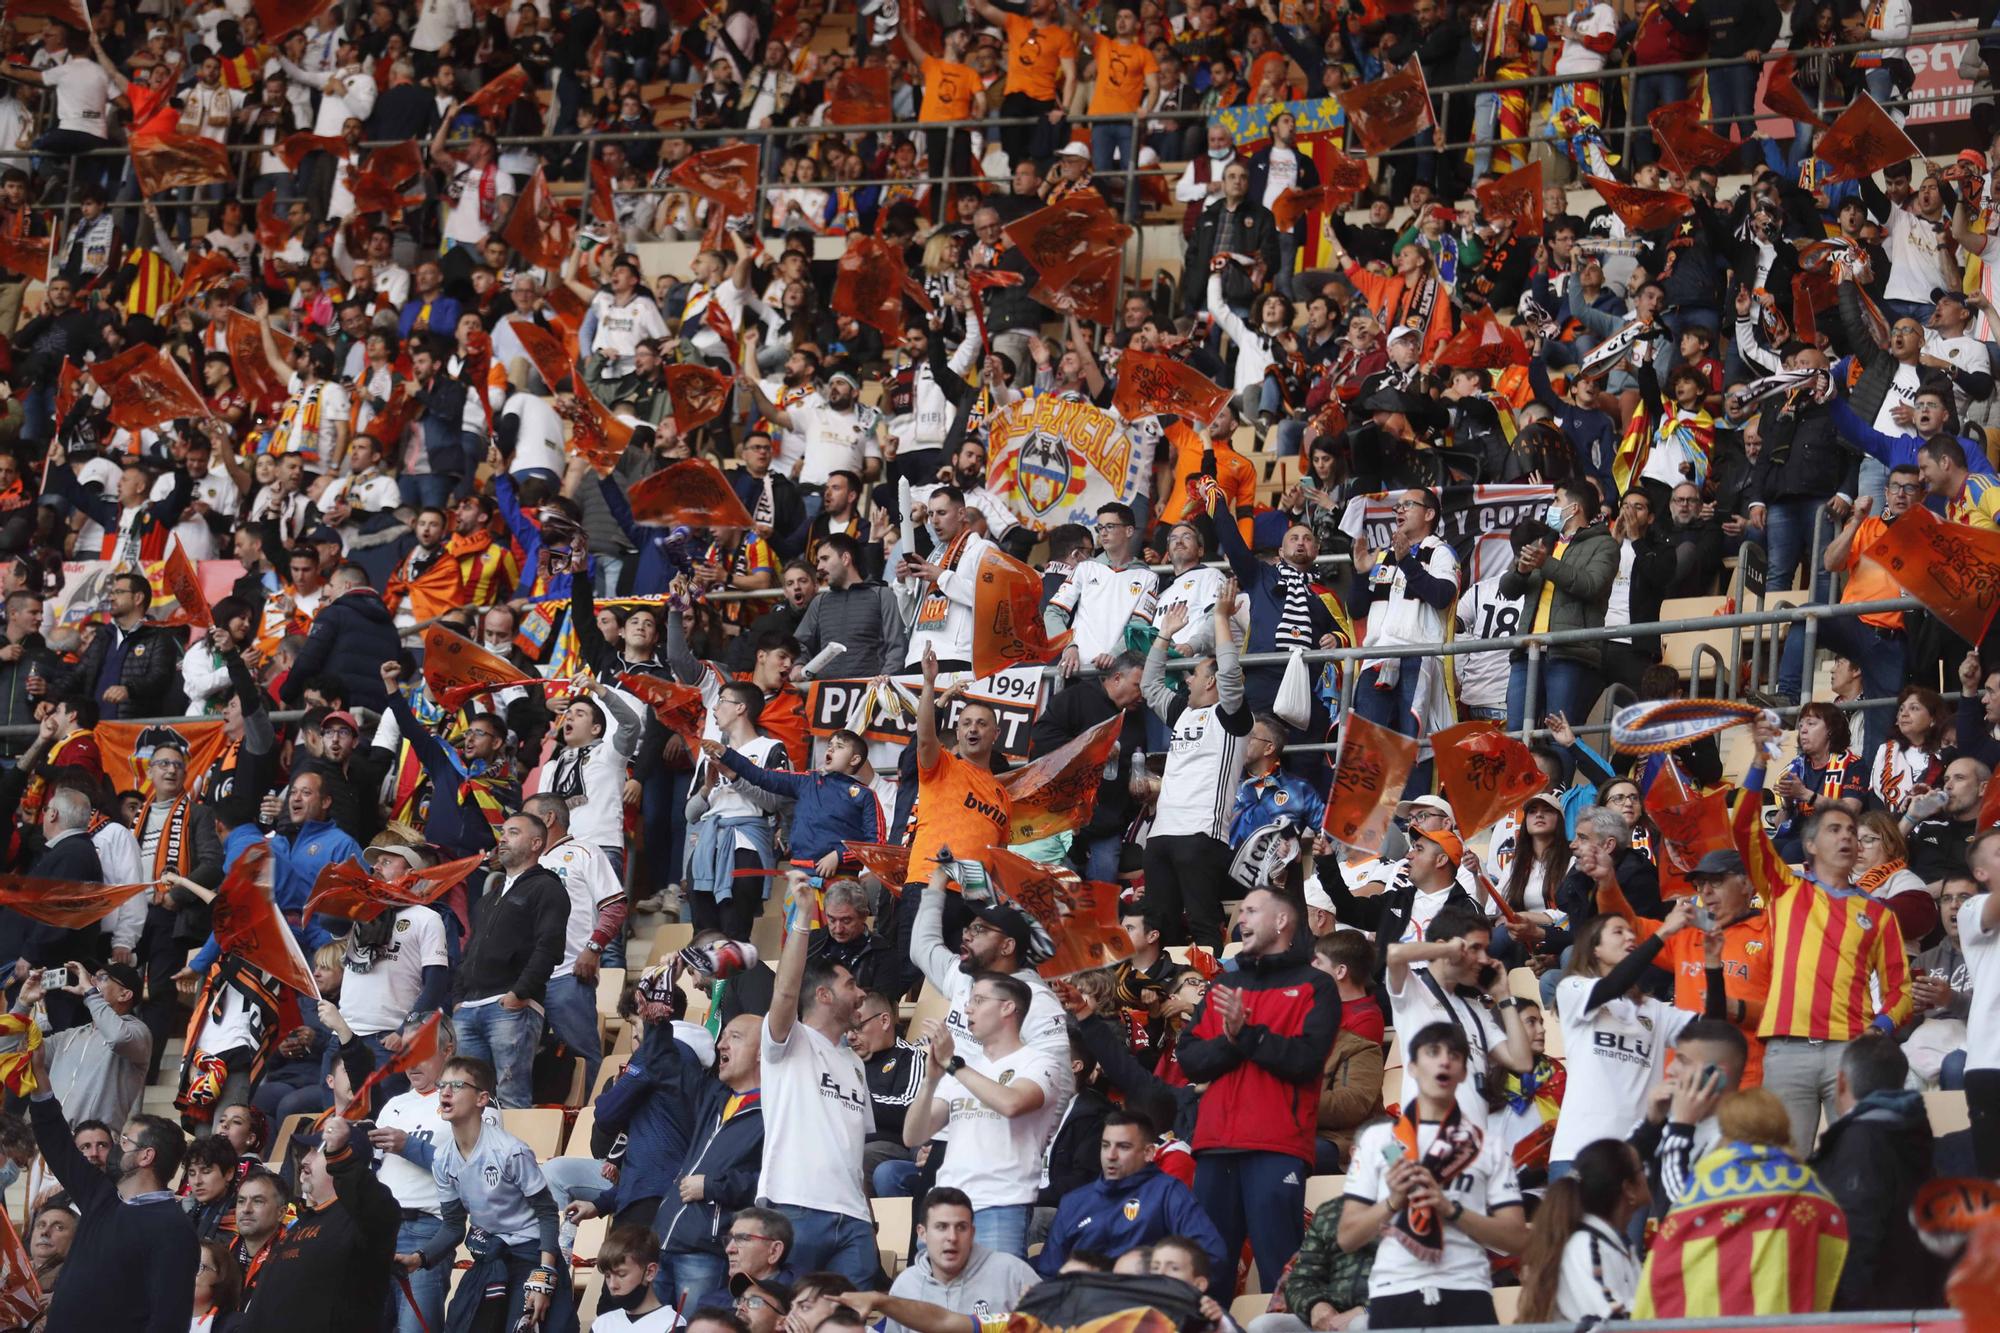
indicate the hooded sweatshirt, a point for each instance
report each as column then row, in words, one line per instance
column 988, row 1286
column 1872, row 1160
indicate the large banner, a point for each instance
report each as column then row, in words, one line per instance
column 1056, row 462
column 1476, row 522
column 86, row 590
column 889, row 712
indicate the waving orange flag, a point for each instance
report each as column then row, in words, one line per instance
column 281, row 17
column 1485, row 773
column 699, row 394
column 1782, row 95
column 295, row 148
column 603, row 206
column 1863, row 140
column 498, row 93
column 126, row 748
column 1055, row 792
column 1065, row 236
column 1641, row 209
column 869, row 288
column 63, row 903
column 596, row 434
column 1374, row 764
column 245, row 339
column 1149, row 383
column 859, row 95
column 1687, row 142
column 456, row 669
column 273, row 231
column 1090, row 290
column 146, row 387
column 1007, row 616
column 29, row 255
column 1484, row 344
column 213, row 269
column 724, row 176
column 546, row 352
column 1343, row 178
column 431, row 593
column 21, row 1297
column 169, row 161
column 887, row 861
column 540, row 230
column 1516, row 195
column 1387, row 112
column 177, row 573
column 247, row 922
column 346, row 889
column 69, row 12
column 419, row 1046
column 693, row 491
column 1077, row 921
column 679, row 707
column 1952, row 568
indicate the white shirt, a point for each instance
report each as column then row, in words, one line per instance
column 1486, row 614
column 1965, row 352
column 1902, row 393
column 437, row 21
column 1485, row 1185
column 416, row 1114
column 997, row 1161
column 1100, row 602
column 1416, row 1006
column 1599, row 1274
column 587, row 873
column 1615, row 1053
column 944, row 614
column 1197, row 590
column 621, row 1321
column 1396, row 617
column 1576, row 58
column 379, row 999
column 1618, row 611
column 1283, row 175
column 493, row 1183
column 1982, row 1029
column 207, row 112
column 836, row 439
column 82, row 92
column 216, row 491
column 463, row 222
column 816, row 1117
column 1204, row 765
column 621, row 328
column 1916, row 253
column 538, row 444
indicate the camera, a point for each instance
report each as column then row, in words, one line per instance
column 55, row 978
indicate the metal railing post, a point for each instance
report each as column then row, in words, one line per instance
column 1533, row 690
column 1806, row 672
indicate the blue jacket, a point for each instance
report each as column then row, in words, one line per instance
column 351, row 637
column 1113, row 1216
column 727, row 1155
column 309, row 936
column 316, row 845
column 653, row 1105
column 1276, row 796
column 832, row 807
column 1896, row 451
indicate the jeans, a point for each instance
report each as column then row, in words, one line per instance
column 685, row 1278
column 571, row 1006
column 1485, row 129
column 663, row 816
column 68, row 143
column 1732, row 95
column 1790, row 525
column 1882, row 87
column 1567, row 686
column 1111, row 149
column 1920, row 311
column 426, row 491
column 1803, row 1075
column 1880, row 656
column 1288, row 260
column 1097, row 858
column 1259, row 1195
column 427, row 1286
column 1649, row 94
column 1003, row 1228
column 834, row 1242
column 610, row 568
column 1951, row 1073
column 506, row 1039
column 892, row 1179
column 571, row 1179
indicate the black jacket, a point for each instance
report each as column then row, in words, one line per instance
column 1256, row 236
column 1576, row 896
column 330, row 1271
column 789, row 520
column 1386, row 913
column 352, row 636
column 1653, row 571
column 1801, row 457
column 16, row 707
column 1260, row 177
column 1872, row 1160
column 517, row 938
column 150, row 674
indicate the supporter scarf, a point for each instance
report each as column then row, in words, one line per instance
column 1420, row 305
column 1419, row 1229
column 1664, row 726
column 1870, row 880
column 17, row 1069
column 1607, row 353
column 488, row 175
column 171, row 853
column 1896, row 767
column 1817, row 383
column 935, row 605
column 15, row 496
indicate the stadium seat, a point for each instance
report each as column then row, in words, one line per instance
column 892, row 1225
column 930, row 1004
column 1947, row 1111
column 768, row 934
column 292, row 1124
column 1524, row 984
column 577, row 1144
column 1247, row 1307
column 588, row 1293
column 1321, row 1188
column 589, row 1239
column 671, row 938
column 540, row 1127
column 1507, row 1303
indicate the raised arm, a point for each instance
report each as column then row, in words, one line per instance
column 791, row 964
column 928, row 745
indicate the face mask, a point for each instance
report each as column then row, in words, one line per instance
column 1558, row 515
column 1221, row 154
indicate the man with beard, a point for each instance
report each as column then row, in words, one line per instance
column 852, row 610
column 131, row 1265
column 841, row 432
column 777, row 512
column 516, row 943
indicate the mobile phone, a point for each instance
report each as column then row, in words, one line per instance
column 1704, row 920
column 1711, row 1076
column 1392, row 1153
column 55, row 978
column 1488, row 974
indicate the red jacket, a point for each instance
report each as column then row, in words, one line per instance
column 1263, row 1084
column 1669, row 34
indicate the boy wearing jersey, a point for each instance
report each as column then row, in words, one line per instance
column 1449, row 978
column 488, row 1181
column 1440, row 1191
column 1104, row 596
column 732, row 830
column 1187, row 853
column 408, row 1130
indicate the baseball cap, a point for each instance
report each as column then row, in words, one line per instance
column 1404, row 809
column 1972, row 157
column 1402, row 331
column 340, row 717
column 781, row 1292
column 1543, row 798
column 1951, row 294
column 1714, row 865
column 1009, row 922
column 1317, row 896
column 1073, row 149
column 417, row 857
column 1454, row 846
column 125, row 975
column 322, row 535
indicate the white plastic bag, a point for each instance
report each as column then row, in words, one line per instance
column 1294, row 702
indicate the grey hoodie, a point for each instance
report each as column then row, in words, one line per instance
column 987, row 1286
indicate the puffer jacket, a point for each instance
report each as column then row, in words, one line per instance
column 1351, row 1095
column 352, row 636
column 727, row 1155
column 1263, row 1083
column 1582, row 576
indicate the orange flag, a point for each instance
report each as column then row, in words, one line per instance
column 295, row 148
column 1007, row 616
column 29, row 255
column 726, row 177
column 420, row 1046
column 127, row 747
column 1783, row 96
column 431, row 593
column 69, row 12
column 177, row 573
column 1516, row 195
column 887, row 861
column 1387, row 112
column 1687, row 142
column 595, row 434
column 859, row 95
column 546, row 353
column 146, row 387
column 281, row 17
column 1690, row 828
column 497, row 94
column 1953, row 569
column 542, row 232
column 870, row 286
column 273, row 231
column 248, row 924
column 63, row 903
column 1293, row 204
column 245, row 339
column 211, row 270
column 1642, row 209
column 346, row 889
column 692, row 491
column 1150, row 383
column 20, row 1294
column 679, row 707
column 699, row 394
column 1343, row 178
column 1484, row 344
column 1078, row 920
column 1055, row 792
column 169, row 161
column 1485, row 773
column 1863, row 140
column 1374, row 764
column 1091, row 289
column 603, row 207
column 396, row 165
column 456, row 669
column 1064, row 237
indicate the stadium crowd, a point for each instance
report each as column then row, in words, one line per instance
column 282, row 443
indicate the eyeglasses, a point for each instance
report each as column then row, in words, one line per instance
column 1401, row 505
column 744, row 1237
column 458, row 1085
column 126, row 1140
column 754, row 1303
column 1905, row 487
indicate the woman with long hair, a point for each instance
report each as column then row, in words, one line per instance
column 1541, row 859
column 1824, row 773
column 1913, row 756
column 1616, row 1036
column 1578, row 1264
